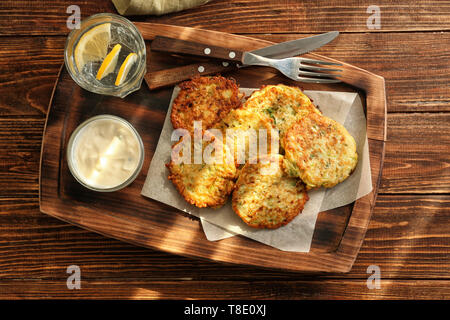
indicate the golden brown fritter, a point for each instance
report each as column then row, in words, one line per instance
column 320, row 151
column 207, row 183
column 265, row 197
column 206, row 99
column 244, row 131
column 280, row 105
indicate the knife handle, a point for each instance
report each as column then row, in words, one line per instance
column 166, row 44
column 168, row 77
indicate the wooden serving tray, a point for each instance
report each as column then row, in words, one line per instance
column 128, row 216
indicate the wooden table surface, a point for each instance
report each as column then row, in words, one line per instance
column 408, row 237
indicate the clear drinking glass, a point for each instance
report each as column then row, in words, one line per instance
column 123, row 32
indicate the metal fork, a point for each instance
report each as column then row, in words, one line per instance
column 298, row 69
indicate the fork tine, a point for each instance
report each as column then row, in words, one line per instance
column 312, row 80
column 314, row 68
column 317, row 74
column 317, row 77
column 313, row 61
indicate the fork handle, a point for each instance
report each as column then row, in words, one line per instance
column 170, row 77
column 166, row 44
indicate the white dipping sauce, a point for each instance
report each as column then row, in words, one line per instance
column 106, row 153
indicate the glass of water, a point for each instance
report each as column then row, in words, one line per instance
column 106, row 55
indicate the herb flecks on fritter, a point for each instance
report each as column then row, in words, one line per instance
column 265, row 196
column 280, row 105
column 206, row 99
column 204, row 184
column 320, row 151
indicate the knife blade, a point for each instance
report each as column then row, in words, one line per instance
column 296, row 47
column 286, row 49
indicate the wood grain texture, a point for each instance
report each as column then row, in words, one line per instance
column 29, row 70
column 407, row 238
column 236, row 290
column 28, row 17
column 416, row 82
column 427, row 141
column 417, row 72
column 20, row 142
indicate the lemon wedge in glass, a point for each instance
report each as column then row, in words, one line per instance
column 93, row 45
column 110, row 62
column 125, row 68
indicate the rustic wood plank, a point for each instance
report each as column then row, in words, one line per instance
column 415, row 81
column 408, row 237
column 28, row 17
column 29, row 68
column 402, row 222
column 415, row 66
column 20, row 142
column 417, row 154
column 273, row 290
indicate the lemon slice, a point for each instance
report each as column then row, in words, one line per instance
column 93, row 45
column 125, row 68
column 110, row 62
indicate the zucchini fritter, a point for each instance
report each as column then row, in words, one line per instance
column 265, row 197
column 320, row 151
column 206, row 99
column 241, row 129
column 280, row 105
column 206, row 184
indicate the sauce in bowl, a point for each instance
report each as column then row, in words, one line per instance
column 105, row 153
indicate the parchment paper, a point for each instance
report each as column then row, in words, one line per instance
column 344, row 107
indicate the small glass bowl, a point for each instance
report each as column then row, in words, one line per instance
column 71, row 160
column 130, row 37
